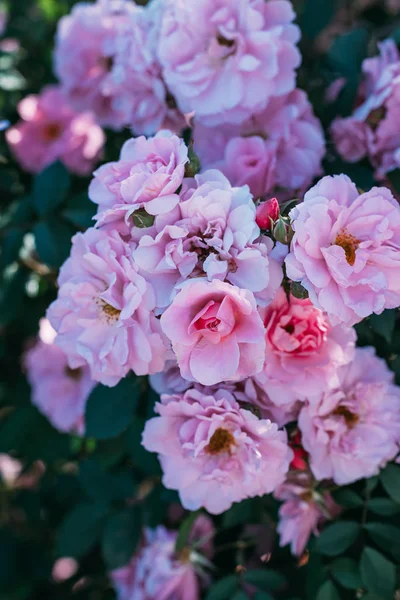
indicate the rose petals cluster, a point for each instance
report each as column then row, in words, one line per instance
column 58, row 391
column 280, row 148
column 352, row 430
column 103, row 314
column 371, row 130
column 346, row 249
column 155, row 571
column 214, row 452
column 50, row 131
column 225, row 60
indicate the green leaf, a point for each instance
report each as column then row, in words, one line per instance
column 50, row 188
column 394, row 178
column 346, row 572
column 336, row 538
column 239, row 513
column 143, row 460
column 223, row 589
column 386, row 536
column 390, row 478
column 80, row 211
column 265, row 579
column 383, row 507
column 328, row 591
column 99, row 484
column 11, row 244
column 184, row 531
column 262, row 596
column 377, row 573
column 121, row 537
column 109, row 411
column 240, row 595
column 384, row 324
column 80, row 530
column 348, row 498
column 316, row 16
column 371, row 483
column 348, row 51
column 53, row 241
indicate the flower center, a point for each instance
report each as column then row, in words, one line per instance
column 106, row 63
column 74, row 374
column 221, row 441
column 110, row 312
column 349, row 243
column 289, row 328
column 350, row 418
column 376, row 116
column 184, row 554
column 52, row 132
column 223, row 41
column 307, row 496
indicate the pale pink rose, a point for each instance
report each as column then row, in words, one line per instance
column 57, row 390
column 103, row 313
column 51, row 130
column 224, row 60
column 136, row 73
column 346, row 249
column 147, row 176
column 216, row 235
column 213, row 452
column 170, row 380
column 216, row 332
column 86, row 46
column 353, row 430
column 372, row 129
column 303, row 511
column 303, row 350
column 281, row 147
column 157, row 572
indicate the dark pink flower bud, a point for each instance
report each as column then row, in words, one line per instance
column 266, row 212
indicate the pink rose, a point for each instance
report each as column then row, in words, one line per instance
column 224, row 60
column 103, row 313
column 346, row 249
column 281, row 147
column 353, row 430
column 147, row 175
column 303, row 511
column 58, row 391
column 216, row 332
column 51, row 130
column 86, row 47
column 303, row 350
column 213, row 452
column 215, row 234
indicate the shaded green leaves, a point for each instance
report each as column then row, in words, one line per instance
column 384, row 324
column 346, row 572
column 53, row 240
column 80, row 530
column 390, row 478
column 377, row 573
column 224, row 589
column 336, row 538
column 184, row 531
column 50, row 188
column 108, row 487
column 121, row 537
column 265, row 579
column 80, row 211
column 328, row 591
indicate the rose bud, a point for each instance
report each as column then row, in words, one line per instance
column 267, row 213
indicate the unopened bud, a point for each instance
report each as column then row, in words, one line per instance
column 142, row 219
column 267, row 213
column 193, row 166
column 298, row 291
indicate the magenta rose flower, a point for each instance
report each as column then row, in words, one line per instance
column 281, row 147
column 147, row 176
column 225, row 60
column 214, row 452
column 215, row 234
column 303, row 350
column 51, row 130
column 216, row 332
column 346, row 249
column 303, row 511
column 353, row 430
column 86, row 46
column 156, row 571
column 103, row 313
column 58, row 391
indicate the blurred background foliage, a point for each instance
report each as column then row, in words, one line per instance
column 92, row 496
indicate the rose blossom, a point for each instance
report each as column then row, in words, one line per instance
column 346, row 249
column 103, row 313
column 58, row 391
column 170, row 380
column 353, row 430
column 213, row 452
column 86, row 46
column 157, row 572
column 281, row 147
column 146, row 176
column 303, row 350
column 143, row 96
column 224, row 60
column 216, row 332
column 216, row 235
column 371, row 129
column 303, row 511
column 51, row 130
